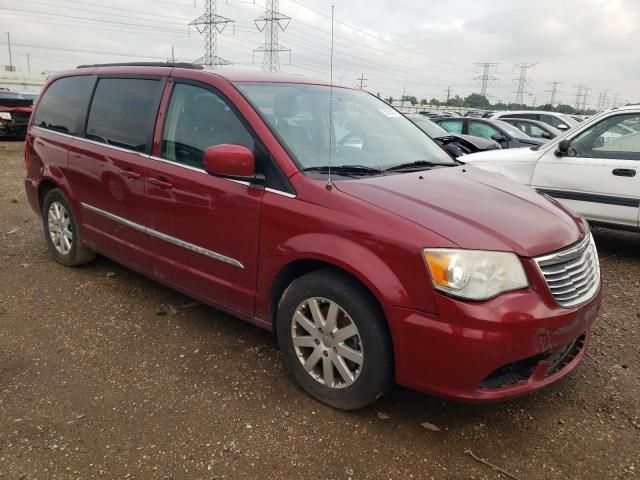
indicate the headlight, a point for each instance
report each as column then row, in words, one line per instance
column 474, row 274
column 5, row 115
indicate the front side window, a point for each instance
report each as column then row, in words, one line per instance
column 616, row 137
column 64, row 104
column 555, row 121
column 366, row 133
column 197, row 118
column 479, row 129
column 123, row 112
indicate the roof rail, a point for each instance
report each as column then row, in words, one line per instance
column 192, row 66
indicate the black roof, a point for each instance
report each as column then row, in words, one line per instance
column 192, row 66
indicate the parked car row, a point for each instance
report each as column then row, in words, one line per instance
column 323, row 214
column 593, row 168
column 15, row 111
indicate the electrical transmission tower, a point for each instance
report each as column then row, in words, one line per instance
column 485, row 78
column 361, row 80
column 602, row 100
column 554, row 92
column 585, row 95
column 210, row 25
column 269, row 23
column 521, row 81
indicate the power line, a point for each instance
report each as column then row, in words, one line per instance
column 522, row 80
column 448, row 97
column 270, row 22
column 210, row 24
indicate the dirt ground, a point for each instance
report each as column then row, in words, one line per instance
column 95, row 383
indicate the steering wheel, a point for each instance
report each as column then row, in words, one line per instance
column 349, row 136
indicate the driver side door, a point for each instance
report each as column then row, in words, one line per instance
column 599, row 176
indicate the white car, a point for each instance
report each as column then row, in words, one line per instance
column 593, row 168
column 557, row 120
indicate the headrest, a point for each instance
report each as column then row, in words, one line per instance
column 285, row 105
column 206, row 105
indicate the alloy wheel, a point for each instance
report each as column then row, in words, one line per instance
column 327, row 342
column 60, row 230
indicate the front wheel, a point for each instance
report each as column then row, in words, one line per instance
column 334, row 340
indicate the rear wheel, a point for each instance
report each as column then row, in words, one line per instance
column 61, row 231
column 334, row 340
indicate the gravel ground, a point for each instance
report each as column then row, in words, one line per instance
column 107, row 374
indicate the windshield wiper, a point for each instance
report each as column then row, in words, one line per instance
column 418, row 165
column 350, row 170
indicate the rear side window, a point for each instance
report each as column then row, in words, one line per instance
column 64, row 104
column 123, row 112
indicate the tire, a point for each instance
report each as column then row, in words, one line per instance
column 61, row 231
column 336, row 378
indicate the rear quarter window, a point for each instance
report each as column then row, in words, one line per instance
column 64, row 104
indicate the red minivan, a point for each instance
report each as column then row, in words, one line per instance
column 322, row 214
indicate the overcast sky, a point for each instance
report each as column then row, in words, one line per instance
column 421, row 45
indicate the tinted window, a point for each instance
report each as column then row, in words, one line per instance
column 530, row 116
column 64, row 104
column 452, row 126
column 198, row 118
column 554, row 121
column 123, row 112
column 483, row 130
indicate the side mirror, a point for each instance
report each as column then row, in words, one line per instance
column 563, row 127
column 498, row 137
column 229, row 160
column 547, row 135
column 563, row 148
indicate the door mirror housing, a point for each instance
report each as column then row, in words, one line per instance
column 230, row 161
column 498, row 137
column 547, row 135
column 563, row 148
column 562, row 127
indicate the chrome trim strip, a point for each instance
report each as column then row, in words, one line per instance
column 280, row 192
column 163, row 160
column 164, row 236
column 177, row 164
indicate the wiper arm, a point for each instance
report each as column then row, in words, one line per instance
column 345, row 169
column 417, row 165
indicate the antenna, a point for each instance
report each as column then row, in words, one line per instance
column 329, row 185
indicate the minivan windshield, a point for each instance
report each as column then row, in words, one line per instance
column 368, row 135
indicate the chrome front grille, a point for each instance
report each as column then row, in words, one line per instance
column 572, row 274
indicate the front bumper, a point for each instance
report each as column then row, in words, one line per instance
column 497, row 349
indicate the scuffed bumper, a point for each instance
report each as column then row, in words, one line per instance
column 493, row 350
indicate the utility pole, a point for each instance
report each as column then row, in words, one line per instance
column 402, row 99
column 554, row 92
column 210, row 24
column 29, row 63
column 173, row 55
column 10, row 56
column 448, row 90
column 579, row 89
column 485, row 78
column 521, row 81
column 269, row 23
column 361, row 80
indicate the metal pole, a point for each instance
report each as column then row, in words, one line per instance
column 29, row 63
column 10, row 56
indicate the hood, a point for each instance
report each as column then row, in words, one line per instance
column 473, row 208
column 523, row 154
